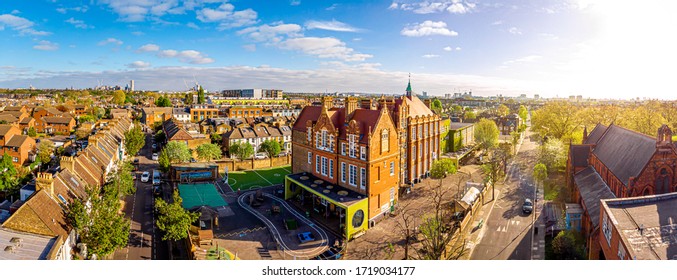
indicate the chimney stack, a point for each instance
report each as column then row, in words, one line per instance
column 45, row 181
column 327, row 102
column 351, row 105
column 68, row 163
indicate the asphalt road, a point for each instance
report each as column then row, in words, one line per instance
column 506, row 235
column 144, row 238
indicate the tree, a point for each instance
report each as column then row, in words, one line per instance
column 437, row 234
column 522, row 112
column 469, row 115
column 121, row 180
column 406, row 223
column 502, row 110
column 242, row 150
column 486, row 134
column 456, row 109
column 160, row 136
column 163, row 102
column 271, row 148
column 436, row 106
column 568, row 245
column 553, row 154
column 188, row 100
column 135, row 139
column 176, row 152
column 540, row 172
column 98, row 222
column 515, row 139
column 8, row 174
column 82, row 133
column 208, row 152
column 32, row 132
column 493, row 172
column 164, row 162
column 441, row 168
column 119, row 97
column 216, row 138
column 556, row 119
column 172, row 219
column 45, row 150
column 200, row 95
column 87, row 118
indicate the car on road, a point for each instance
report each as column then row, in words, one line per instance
column 156, row 177
column 154, row 146
column 157, row 190
column 260, row 156
column 155, row 157
column 145, row 176
column 527, row 206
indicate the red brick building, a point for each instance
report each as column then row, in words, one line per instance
column 614, row 162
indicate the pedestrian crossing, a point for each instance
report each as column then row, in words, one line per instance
column 504, row 228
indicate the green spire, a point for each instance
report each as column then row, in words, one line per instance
column 409, row 85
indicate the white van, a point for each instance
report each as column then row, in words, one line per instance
column 156, row 177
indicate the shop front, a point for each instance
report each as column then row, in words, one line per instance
column 341, row 210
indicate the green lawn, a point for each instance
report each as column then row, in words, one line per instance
column 249, row 179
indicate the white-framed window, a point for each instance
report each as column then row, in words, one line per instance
column 310, row 157
column 392, row 168
column 413, row 152
column 425, row 130
column 343, row 149
column 385, row 143
column 351, row 146
column 392, row 194
column 343, row 172
column 363, row 153
column 324, row 166
column 363, row 178
column 318, row 140
column 621, row 251
column 331, row 168
column 606, row 229
column 310, row 134
column 413, row 132
column 15, row 159
column 325, row 144
column 352, row 178
column 419, row 132
column 426, row 147
column 317, row 163
column 331, row 143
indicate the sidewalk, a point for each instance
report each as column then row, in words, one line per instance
column 475, row 236
column 538, row 232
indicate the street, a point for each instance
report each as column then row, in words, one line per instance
column 507, row 234
column 144, row 239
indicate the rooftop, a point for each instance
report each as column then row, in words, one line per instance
column 327, row 189
column 646, row 225
column 25, row 246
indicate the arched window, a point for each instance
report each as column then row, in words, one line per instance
column 385, row 143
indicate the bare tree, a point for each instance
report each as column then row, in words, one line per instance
column 406, row 223
column 436, row 230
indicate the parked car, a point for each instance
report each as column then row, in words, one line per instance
column 155, row 156
column 193, row 160
column 260, row 156
column 145, row 176
column 154, row 146
column 527, row 206
column 282, row 154
column 157, row 190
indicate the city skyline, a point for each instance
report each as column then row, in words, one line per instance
column 550, row 48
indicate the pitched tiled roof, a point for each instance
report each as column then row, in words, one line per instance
column 579, row 155
column 308, row 113
column 175, row 131
column 76, row 185
column 17, row 140
column 457, row 125
column 57, row 120
column 624, row 152
column 417, row 108
column 40, row 214
column 592, row 189
column 595, row 134
column 8, row 118
column 4, row 128
column 26, row 120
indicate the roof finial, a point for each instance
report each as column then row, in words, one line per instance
column 409, row 86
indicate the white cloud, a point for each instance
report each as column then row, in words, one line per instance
column 19, row 24
column 138, row 64
column 448, row 48
column 249, row 47
column 458, row 48
column 192, row 25
column 186, row 56
column 428, row 28
column 138, row 33
column 498, row 22
column 46, row 46
column 430, row 56
column 521, row 60
column 332, row 7
column 15, row 12
column 82, row 9
column 79, row 23
column 323, row 47
column 149, row 48
column 295, row 2
column 428, row 7
column 227, row 17
column 271, row 33
column 110, row 41
column 333, row 25
column 514, row 31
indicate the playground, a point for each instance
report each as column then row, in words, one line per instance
column 200, row 194
column 260, row 178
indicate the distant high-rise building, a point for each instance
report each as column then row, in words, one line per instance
column 253, row 93
column 131, row 85
column 424, row 93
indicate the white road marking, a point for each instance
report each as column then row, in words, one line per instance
column 262, row 177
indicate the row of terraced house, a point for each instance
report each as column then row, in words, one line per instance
column 36, row 227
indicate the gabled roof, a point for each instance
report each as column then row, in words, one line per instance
column 18, row 140
column 40, row 214
column 8, row 118
column 595, row 134
column 4, row 128
column 624, row 152
column 457, row 126
column 592, row 189
column 417, row 108
column 58, row 120
column 175, row 131
column 308, row 113
column 76, row 185
column 26, row 120
column 580, row 155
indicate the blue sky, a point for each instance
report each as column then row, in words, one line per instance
column 605, row 49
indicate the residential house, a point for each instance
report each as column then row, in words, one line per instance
column 176, row 131
column 26, row 123
column 58, row 125
column 180, row 115
column 152, row 115
column 203, row 112
column 19, row 147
